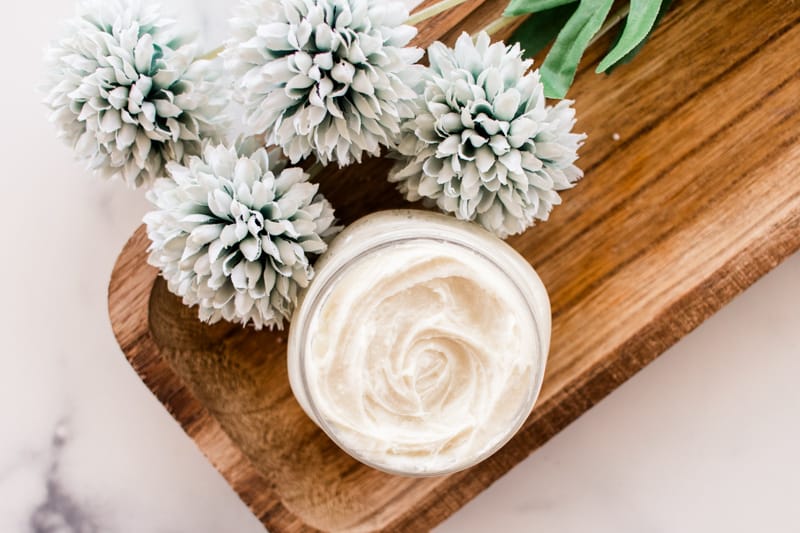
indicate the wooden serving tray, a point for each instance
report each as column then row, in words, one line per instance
column 698, row 198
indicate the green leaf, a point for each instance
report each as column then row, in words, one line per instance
column 665, row 5
column 561, row 63
column 540, row 29
column 523, row 7
column 640, row 20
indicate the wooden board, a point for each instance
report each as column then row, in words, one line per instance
column 698, row 198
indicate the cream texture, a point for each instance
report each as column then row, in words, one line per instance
column 422, row 357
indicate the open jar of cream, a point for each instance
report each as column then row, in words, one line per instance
column 420, row 346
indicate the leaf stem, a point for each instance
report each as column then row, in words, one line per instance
column 432, row 11
column 610, row 22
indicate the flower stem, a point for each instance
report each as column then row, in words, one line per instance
column 498, row 24
column 432, row 11
column 213, row 54
column 503, row 21
column 314, row 170
column 274, row 153
column 610, row 22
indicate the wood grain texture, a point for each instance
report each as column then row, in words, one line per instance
column 698, row 198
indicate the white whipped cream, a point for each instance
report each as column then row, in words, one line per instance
column 423, row 356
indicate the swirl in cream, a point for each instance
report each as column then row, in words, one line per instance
column 422, row 357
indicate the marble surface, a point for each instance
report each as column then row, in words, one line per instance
column 705, row 438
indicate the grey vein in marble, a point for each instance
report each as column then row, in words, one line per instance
column 59, row 513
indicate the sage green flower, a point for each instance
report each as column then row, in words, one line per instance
column 483, row 144
column 234, row 232
column 128, row 92
column 324, row 77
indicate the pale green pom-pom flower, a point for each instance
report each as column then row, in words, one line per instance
column 484, row 145
column 234, row 233
column 324, row 77
column 128, row 92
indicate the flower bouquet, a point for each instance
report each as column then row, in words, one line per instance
column 238, row 218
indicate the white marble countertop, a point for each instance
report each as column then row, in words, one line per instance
column 704, row 439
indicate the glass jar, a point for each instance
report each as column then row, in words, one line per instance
column 420, row 346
